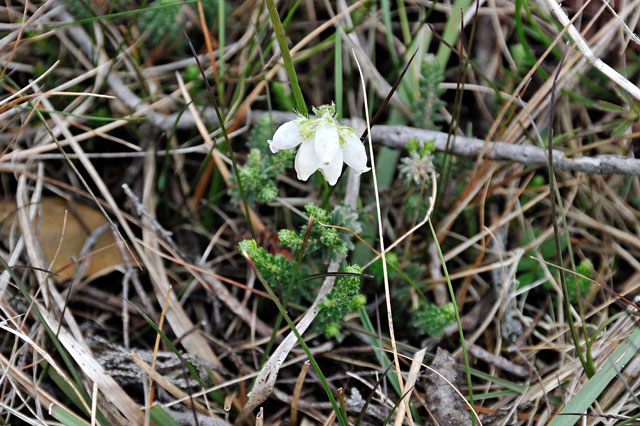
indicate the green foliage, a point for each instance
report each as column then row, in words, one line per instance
column 290, row 238
column 529, row 269
column 584, row 285
column 425, row 108
column 77, row 9
column 345, row 216
column 277, row 270
column 537, row 181
column 344, row 298
column 283, row 97
column 403, row 291
column 259, row 172
column 421, row 148
column 431, row 319
column 262, row 132
column 160, row 23
column 415, row 170
column 377, row 270
column 191, row 72
column 329, row 241
column 520, row 57
column 257, row 179
column 626, row 116
column 414, row 201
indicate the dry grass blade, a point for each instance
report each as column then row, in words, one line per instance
column 385, row 274
column 621, row 81
column 167, row 385
column 414, row 370
column 296, row 392
column 18, row 376
column 176, row 316
column 118, row 99
column 112, row 392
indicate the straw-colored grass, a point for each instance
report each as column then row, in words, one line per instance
column 103, row 106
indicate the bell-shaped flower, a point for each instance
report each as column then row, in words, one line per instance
column 324, row 145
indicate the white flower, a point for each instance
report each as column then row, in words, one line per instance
column 324, row 145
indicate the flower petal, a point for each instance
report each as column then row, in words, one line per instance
column 306, row 160
column 354, row 154
column 333, row 170
column 327, row 143
column 287, row 136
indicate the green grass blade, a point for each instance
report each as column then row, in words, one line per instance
column 223, row 128
column 387, row 159
column 455, row 306
column 523, row 40
column 221, row 41
column 66, row 417
column 375, row 345
column 192, row 370
column 338, row 74
column 65, row 387
column 160, row 416
column 395, row 408
column 52, row 335
column 292, row 281
column 404, row 23
column 388, row 31
column 286, row 56
column 73, row 397
column 451, row 31
column 594, row 387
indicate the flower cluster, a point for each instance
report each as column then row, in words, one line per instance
column 415, row 169
column 324, row 145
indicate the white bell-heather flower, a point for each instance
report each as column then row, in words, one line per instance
column 324, row 144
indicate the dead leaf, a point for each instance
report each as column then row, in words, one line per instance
column 445, row 404
column 82, row 220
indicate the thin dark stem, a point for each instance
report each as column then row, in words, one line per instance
column 223, row 129
column 389, row 95
column 556, row 232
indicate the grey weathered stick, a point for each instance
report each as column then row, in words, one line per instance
column 498, row 361
column 398, row 136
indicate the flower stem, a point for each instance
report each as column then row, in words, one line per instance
column 223, row 129
column 286, row 56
